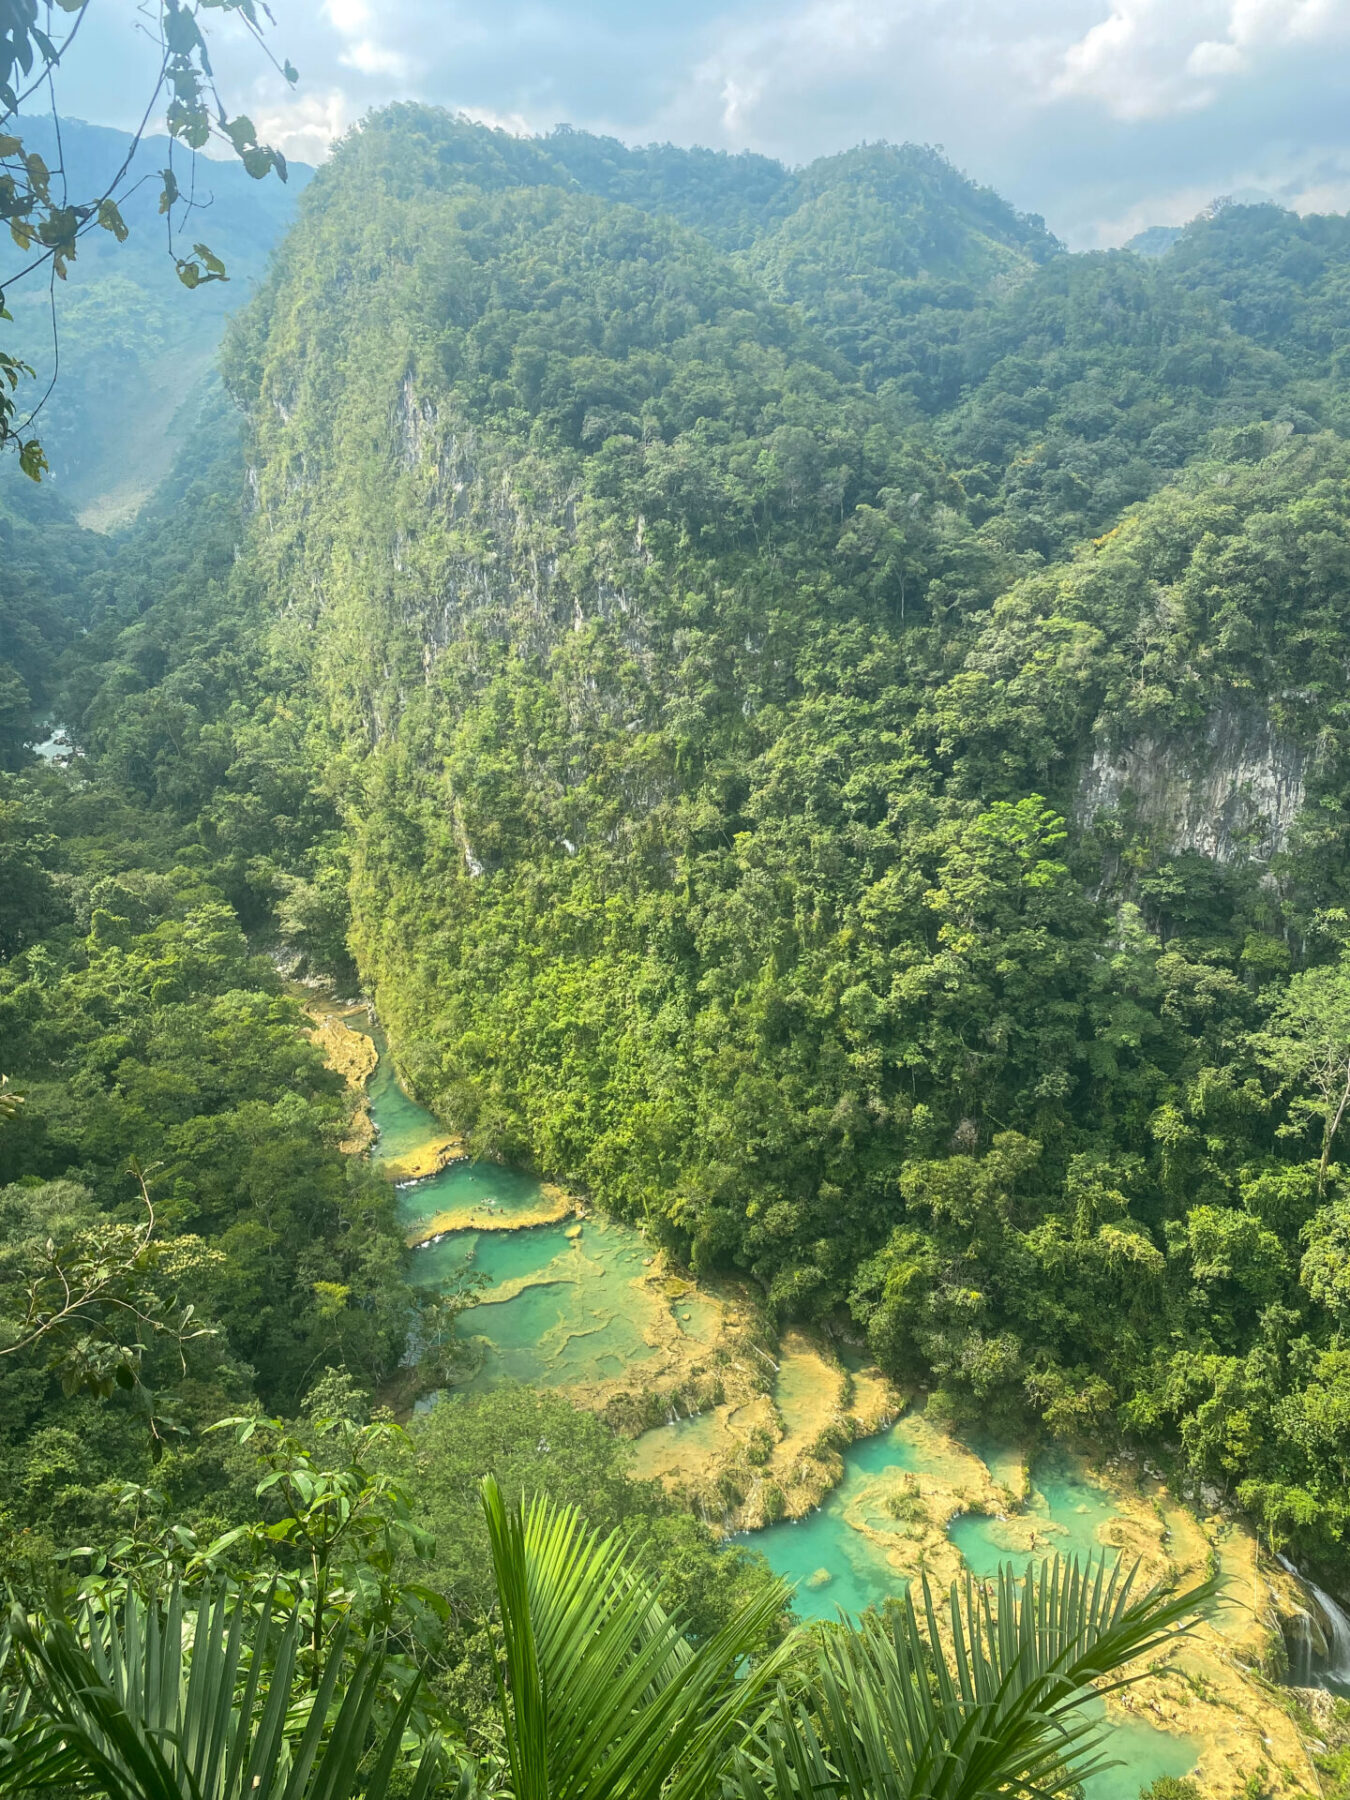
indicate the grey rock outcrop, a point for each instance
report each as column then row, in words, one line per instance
column 1232, row 791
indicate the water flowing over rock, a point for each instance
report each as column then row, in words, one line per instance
column 1319, row 1644
column 1338, row 1635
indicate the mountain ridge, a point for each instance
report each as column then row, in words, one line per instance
column 711, row 707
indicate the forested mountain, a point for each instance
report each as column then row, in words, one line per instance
column 819, row 717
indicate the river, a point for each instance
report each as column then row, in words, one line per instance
column 586, row 1305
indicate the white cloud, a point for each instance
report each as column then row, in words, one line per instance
column 304, row 127
column 348, row 17
column 515, row 123
column 1097, row 113
column 369, row 58
column 361, row 50
column 791, row 83
column 1151, row 58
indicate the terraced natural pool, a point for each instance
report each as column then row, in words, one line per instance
column 566, row 1305
column 837, row 1559
column 559, row 1310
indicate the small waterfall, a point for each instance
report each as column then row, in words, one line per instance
column 1300, row 1643
column 1338, row 1636
column 1303, row 1658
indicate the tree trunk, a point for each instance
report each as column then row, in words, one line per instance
column 1330, row 1137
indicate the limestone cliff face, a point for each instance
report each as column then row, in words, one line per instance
column 1230, row 791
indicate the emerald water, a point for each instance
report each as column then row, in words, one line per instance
column 401, row 1123
column 1069, row 1507
column 563, row 1306
column 484, row 1189
column 836, row 1568
column 569, row 1312
column 560, row 1307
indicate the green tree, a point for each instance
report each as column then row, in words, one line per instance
column 346, row 1521
column 89, row 1296
column 1308, row 1046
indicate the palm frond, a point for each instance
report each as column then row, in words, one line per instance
column 26, row 1734
column 150, row 1703
column 602, row 1695
column 995, row 1703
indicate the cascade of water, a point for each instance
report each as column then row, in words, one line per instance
column 1301, row 1650
column 1335, row 1630
column 1338, row 1634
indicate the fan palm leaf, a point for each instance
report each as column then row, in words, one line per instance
column 1003, row 1710
column 160, row 1703
column 602, row 1695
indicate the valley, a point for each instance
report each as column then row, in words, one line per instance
column 817, row 720
column 793, row 1446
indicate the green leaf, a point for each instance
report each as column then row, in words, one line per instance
column 1002, row 1708
column 135, row 1717
column 110, row 218
column 240, row 132
column 181, row 32
column 602, row 1696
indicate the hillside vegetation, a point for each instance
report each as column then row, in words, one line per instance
column 729, row 654
column 710, row 632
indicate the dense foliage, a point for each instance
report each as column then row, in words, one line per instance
column 600, row 1693
column 720, row 706
column 186, row 1254
column 817, row 715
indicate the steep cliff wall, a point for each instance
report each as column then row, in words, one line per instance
column 705, row 743
column 1231, row 790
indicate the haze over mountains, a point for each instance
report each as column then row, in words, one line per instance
column 133, row 343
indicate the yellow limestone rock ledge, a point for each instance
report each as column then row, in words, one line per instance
column 770, row 1449
column 351, row 1053
column 425, row 1159
column 1206, row 1686
column 354, row 1056
column 554, row 1205
column 776, row 1454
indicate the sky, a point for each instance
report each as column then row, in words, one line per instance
column 1104, row 116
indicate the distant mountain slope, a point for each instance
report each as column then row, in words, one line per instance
column 1102, row 376
column 1154, row 240
column 133, row 341
column 883, row 233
